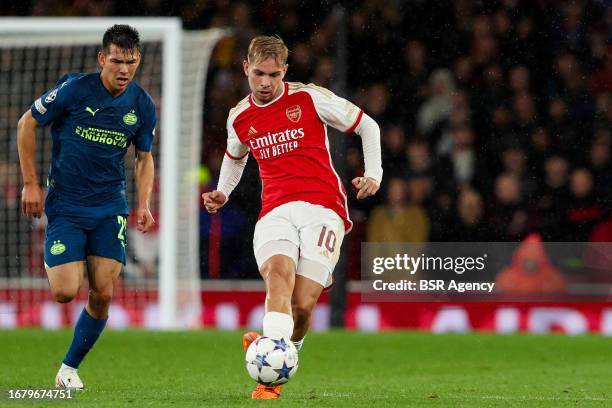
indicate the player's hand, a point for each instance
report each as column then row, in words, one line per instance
column 144, row 220
column 366, row 186
column 32, row 200
column 214, row 200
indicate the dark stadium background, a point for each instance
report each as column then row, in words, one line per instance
column 496, row 121
column 496, row 116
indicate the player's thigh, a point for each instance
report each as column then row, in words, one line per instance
column 321, row 235
column 103, row 274
column 65, row 241
column 276, row 234
column 66, row 279
column 108, row 239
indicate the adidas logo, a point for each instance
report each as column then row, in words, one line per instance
column 252, row 131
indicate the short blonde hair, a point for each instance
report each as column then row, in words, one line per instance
column 264, row 47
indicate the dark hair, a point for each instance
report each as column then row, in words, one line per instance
column 123, row 36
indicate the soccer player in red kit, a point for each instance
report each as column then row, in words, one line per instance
column 304, row 213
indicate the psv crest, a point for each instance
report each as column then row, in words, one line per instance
column 294, row 113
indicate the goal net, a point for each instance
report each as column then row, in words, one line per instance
column 160, row 285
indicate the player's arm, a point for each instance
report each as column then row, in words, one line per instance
column 368, row 130
column 43, row 111
column 32, row 194
column 232, row 167
column 346, row 117
column 144, row 173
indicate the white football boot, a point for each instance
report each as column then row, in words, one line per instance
column 68, row 378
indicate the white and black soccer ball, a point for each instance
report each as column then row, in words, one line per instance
column 271, row 361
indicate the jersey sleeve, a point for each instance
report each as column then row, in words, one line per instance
column 52, row 104
column 144, row 137
column 333, row 110
column 235, row 148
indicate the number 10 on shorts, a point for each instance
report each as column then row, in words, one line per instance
column 329, row 237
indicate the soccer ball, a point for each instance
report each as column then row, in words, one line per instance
column 270, row 361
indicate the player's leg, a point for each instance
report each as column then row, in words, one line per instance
column 275, row 243
column 321, row 234
column 65, row 280
column 106, row 253
column 65, row 265
column 305, row 295
column 64, row 255
column 278, row 273
column 276, row 251
column 103, row 274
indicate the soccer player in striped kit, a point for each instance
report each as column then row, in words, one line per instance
column 304, row 214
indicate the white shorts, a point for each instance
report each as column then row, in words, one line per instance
column 309, row 234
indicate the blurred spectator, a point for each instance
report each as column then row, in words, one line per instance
column 553, row 198
column 463, row 165
column 519, row 80
column 301, row 63
column 324, row 72
column 563, row 134
column 584, row 209
column 436, row 109
column 412, row 89
column 514, row 160
column 525, row 114
column 398, row 220
column 469, row 224
column 603, row 112
column 375, row 102
column 600, row 165
column 509, row 220
column 419, row 160
column 601, row 81
column 531, row 272
column 393, row 158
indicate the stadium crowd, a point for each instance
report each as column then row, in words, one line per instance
column 495, row 125
column 496, row 116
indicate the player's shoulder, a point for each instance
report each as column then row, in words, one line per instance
column 70, row 77
column 311, row 89
column 142, row 95
column 142, row 99
column 73, row 82
column 240, row 107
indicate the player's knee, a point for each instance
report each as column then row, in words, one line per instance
column 278, row 270
column 63, row 295
column 100, row 298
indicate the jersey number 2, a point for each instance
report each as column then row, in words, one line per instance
column 122, row 223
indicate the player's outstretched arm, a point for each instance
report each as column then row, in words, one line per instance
column 369, row 132
column 145, row 172
column 31, row 195
column 229, row 177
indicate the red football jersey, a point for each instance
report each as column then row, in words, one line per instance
column 288, row 138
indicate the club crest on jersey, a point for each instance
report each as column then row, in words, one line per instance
column 130, row 118
column 51, row 97
column 294, row 113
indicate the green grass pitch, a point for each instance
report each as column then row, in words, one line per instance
column 399, row 369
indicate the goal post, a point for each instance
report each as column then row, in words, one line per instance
column 174, row 66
